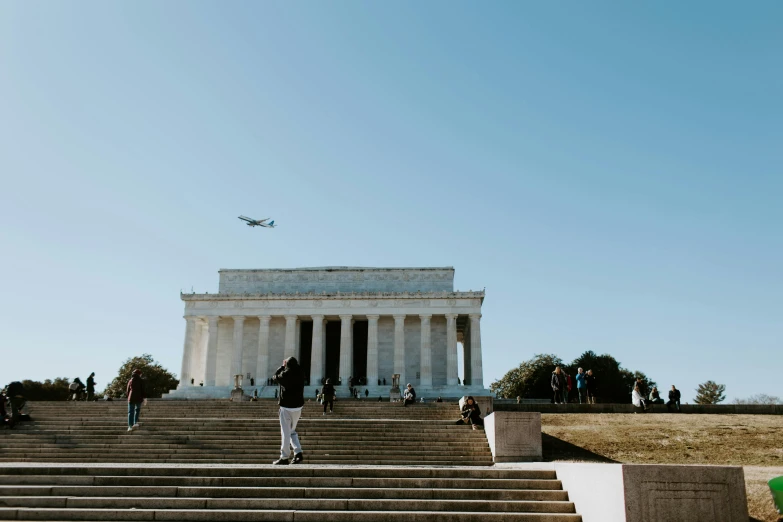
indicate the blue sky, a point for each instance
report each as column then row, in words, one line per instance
column 612, row 173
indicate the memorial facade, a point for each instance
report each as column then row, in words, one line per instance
column 363, row 324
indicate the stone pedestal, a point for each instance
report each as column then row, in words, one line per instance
column 684, row 493
column 514, row 436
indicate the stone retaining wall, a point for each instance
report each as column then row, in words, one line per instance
column 744, row 409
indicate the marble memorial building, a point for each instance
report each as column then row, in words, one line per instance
column 340, row 322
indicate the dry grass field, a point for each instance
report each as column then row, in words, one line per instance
column 753, row 441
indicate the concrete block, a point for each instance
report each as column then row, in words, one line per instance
column 595, row 489
column 684, row 493
column 514, row 436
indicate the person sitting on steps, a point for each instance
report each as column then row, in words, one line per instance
column 410, row 395
column 471, row 413
column 655, row 397
column 637, row 399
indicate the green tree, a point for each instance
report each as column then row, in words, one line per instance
column 157, row 379
column 614, row 383
column 49, row 390
column 530, row 380
column 710, row 393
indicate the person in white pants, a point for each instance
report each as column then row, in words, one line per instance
column 291, row 381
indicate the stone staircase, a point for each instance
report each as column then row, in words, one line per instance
column 210, row 460
column 286, row 493
column 358, row 432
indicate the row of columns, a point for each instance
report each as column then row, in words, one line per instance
column 197, row 328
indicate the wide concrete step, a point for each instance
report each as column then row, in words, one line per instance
column 280, row 492
column 240, row 515
column 309, row 504
column 300, row 482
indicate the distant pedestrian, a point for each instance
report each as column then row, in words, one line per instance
column 558, row 383
column 91, row 387
column 438, row 399
column 384, row 381
column 519, row 399
column 655, row 397
column 366, row 393
column 471, row 413
column 275, row 394
column 76, row 389
column 581, row 385
column 328, row 396
column 592, row 387
column 291, row 381
column 136, row 397
column 637, row 399
column 410, row 395
column 317, row 393
column 566, row 387
column 380, row 399
column 674, row 400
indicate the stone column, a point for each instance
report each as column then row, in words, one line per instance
column 188, row 352
column 210, row 368
column 372, row 349
column 476, row 369
column 198, row 364
column 236, row 353
column 452, row 368
column 426, row 352
column 317, row 353
column 290, row 336
column 346, row 347
column 262, row 363
column 399, row 347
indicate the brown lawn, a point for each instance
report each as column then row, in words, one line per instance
column 753, row 441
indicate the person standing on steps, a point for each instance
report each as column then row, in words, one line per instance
column 591, row 387
column 136, row 397
column 581, row 385
column 290, row 378
column 558, row 383
column 91, row 387
column 328, row 396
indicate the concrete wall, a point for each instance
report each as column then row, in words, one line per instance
column 514, row 436
column 503, row 405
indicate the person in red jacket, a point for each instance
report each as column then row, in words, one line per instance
column 136, row 398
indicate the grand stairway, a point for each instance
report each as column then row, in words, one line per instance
column 291, row 493
column 209, row 460
column 359, row 432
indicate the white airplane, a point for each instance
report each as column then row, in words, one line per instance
column 258, row 222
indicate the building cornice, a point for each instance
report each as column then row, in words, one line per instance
column 334, row 296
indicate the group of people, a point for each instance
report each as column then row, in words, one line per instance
column 562, row 384
column 638, row 397
column 77, row 391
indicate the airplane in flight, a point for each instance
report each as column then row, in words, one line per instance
column 258, row 222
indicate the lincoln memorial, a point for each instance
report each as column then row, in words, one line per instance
column 339, row 322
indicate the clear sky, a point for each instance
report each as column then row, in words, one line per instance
column 611, row 172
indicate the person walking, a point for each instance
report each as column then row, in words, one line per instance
column 328, row 396
column 290, row 379
column 558, row 383
column 136, row 397
column 91, row 387
column 581, row 385
column 674, row 400
column 591, row 387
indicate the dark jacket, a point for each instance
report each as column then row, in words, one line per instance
column 90, row 384
column 558, row 381
column 674, row 395
column 474, row 412
column 328, row 391
column 590, row 382
column 291, row 381
column 411, row 391
column 135, row 390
